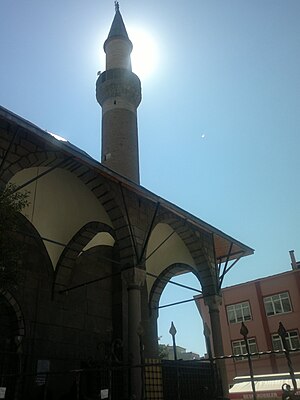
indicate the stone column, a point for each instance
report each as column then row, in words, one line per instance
column 134, row 279
column 213, row 302
column 151, row 335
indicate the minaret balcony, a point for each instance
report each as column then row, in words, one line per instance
column 118, row 82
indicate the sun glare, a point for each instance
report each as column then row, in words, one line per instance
column 144, row 56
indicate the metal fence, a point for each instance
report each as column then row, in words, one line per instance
column 162, row 380
column 189, row 380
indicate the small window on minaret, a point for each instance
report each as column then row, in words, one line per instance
column 115, row 101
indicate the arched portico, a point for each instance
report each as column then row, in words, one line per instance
column 171, row 239
column 78, row 191
column 163, row 279
column 59, row 205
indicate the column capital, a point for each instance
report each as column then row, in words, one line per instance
column 213, row 302
column 134, row 277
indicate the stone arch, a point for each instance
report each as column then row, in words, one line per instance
column 162, row 280
column 103, row 190
column 60, row 204
column 22, row 160
column 28, row 235
column 27, row 146
column 97, row 188
column 191, row 237
column 200, row 244
column 152, row 310
column 165, row 247
column 18, row 323
column 73, row 249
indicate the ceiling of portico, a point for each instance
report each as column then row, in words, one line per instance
column 165, row 248
column 60, row 204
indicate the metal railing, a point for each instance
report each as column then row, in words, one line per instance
column 162, row 380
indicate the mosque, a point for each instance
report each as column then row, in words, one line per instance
column 97, row 247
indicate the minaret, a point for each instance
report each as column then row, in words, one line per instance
column 118, row 91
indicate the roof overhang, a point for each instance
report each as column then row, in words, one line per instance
column 226, row 247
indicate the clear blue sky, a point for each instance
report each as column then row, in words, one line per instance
column 227, row 69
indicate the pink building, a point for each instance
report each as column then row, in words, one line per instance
column 261, row 304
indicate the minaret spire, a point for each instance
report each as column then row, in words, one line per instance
column 118, row 91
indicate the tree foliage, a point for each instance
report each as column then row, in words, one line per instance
column 163, row 351
column 12, row 202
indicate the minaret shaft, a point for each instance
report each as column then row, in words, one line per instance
column 119, row 149
column 118, row 54
column 118, row 91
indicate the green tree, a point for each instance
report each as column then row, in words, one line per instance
column 12, row 202
column 163, row 351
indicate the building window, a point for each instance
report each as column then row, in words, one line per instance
column 239, row 347
column 277, row 304
column 292, row 340
column 238, row 312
